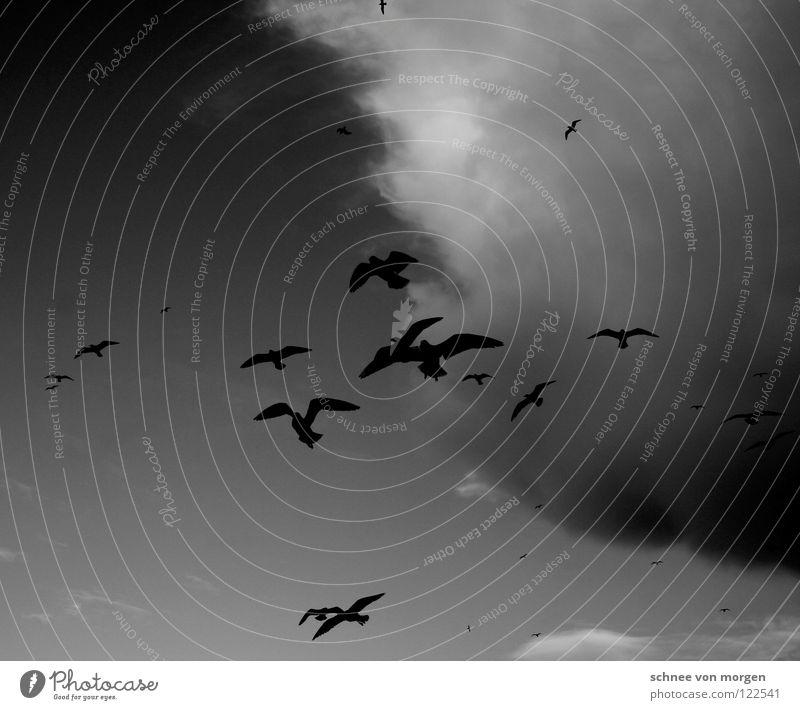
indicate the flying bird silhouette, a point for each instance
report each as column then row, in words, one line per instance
column 96, row 349
column 165, row 309
column 478, row 378
column 769, row 443
column 382, row 4
column 697, row 406
column 58, row 377
column 430, row 356
column 760, row 374
column 342, row 130
column 51, row 387
column 657, row 562
column 275, row 356
column 724, row 610
column 522, row 557
column 532, row 398
column 339, row 615
column 541, row 505
column 469, row 628
column 571, row 128
column 536, row 635
column 622, row 335
column 751, row 418
column 387, row 269
column 302, row 424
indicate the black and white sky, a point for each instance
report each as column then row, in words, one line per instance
column 185, row 154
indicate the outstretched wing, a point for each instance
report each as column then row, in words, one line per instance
column 290, row 350
column 768, row 413
column 606, row 331
column 469, row 377
column 757, row 445
column 383, row 358
column 105, row 343
column 460, row 342
column 257, row 359
column 539, row 389
column 520, row 406
column 400, row 259
column 641, row 331
column 327, row 625
column 315, row 406
column 413, row 332
column 363, row 603
column 567, row 132
column 360, row 275
column 736, row 416
column 275, row 410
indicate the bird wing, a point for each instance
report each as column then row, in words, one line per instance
column 413, row 332
column 520, row 406
column 360, row 275
column 364, row 602
column 257, row 359
column 274, row 410
column 539, row 389
column 315, row 406
column 641, row 331
column 383, row 358
column 327, row 625
column 567, row 132
column 769, row 413
column 460, row 342
column 469, row 377
column 737, row 416
column 400, row 259
column 66, row 377
column 310, row 612
column 606, row 331
column 106, row 343
column 290, row 350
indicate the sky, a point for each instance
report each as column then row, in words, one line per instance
column 185, row 155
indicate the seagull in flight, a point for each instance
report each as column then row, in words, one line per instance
column 302, row 423
column 571, row 128
column 387, row 269
column 275, row 356
column 522, row 557
column 96, row 349
column 541, row 505
column 657, row 562
column 429, row 356
column 51, row 387
column 622, row 335
column 532, row 398
column 536, row 635
column 751, row 418
column 769, row 443
column 724, row 610
column 342, row 130
column 166, row 309
column 382, row 4
column 338, row 615
column 697, row 406
column 760, row 374
column 59, row 377
column 469, row 628
column 478, row 378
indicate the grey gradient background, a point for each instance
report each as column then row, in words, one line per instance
column 269, row 528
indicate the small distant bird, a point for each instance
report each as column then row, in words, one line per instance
column 657, row 562
column 522, row 557
column 166, row 309
column 96, row 349
column 536, row 507
column 382, row 4
column 51, row 387
column 760, row 374
column 339, row 615
column 342, row 130
column 751, row 418
column 697, row 406
column 769, row 443
column 724, row 609
column 429, row 356
column 275, row 356
column 478, row 378
column 571, row 128
column 469, row 628
column 536, row 635
column 302, row 424
column 532, row 398
column 58, row 377
column 622, row 335
column 387, row 269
